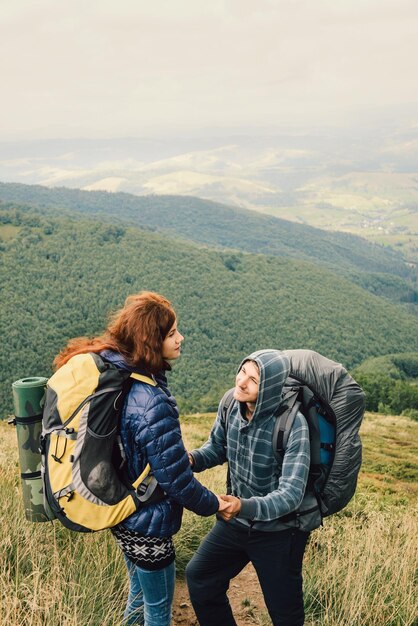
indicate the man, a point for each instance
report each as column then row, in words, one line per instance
column 264, row 522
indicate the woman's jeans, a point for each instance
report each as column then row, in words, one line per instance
column 277, row 558
column 150, row 596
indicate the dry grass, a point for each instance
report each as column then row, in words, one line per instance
column 359, row 567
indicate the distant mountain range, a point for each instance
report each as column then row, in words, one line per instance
column 360, row 180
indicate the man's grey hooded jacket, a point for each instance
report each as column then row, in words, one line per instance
column 267, row 492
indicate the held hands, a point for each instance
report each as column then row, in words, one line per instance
column 229, row 507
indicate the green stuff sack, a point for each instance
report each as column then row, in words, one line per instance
column 82, row 455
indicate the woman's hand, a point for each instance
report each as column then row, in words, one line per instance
column 222, row 504
column 231, row 506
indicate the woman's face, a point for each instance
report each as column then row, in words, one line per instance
column 172, row 343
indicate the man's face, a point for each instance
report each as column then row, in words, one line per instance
column 247, row 382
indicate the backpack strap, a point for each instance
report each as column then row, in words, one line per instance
column 226, row 405
column 297, row 399
column 294, row 399
column 143, row 379
column 142, row 476
column 282, row 428
column 310, row 411
column 146, row 483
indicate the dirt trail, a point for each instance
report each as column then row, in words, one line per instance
column 244, row 594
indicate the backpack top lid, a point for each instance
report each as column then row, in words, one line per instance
column 331, row 383
column 344, row 399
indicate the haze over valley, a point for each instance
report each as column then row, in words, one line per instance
column 359, row 180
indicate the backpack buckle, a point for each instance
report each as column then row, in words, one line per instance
column 142, row 488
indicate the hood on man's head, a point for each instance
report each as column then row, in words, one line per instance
column 274, row 368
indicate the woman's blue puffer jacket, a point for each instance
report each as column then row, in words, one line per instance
column 150, row 431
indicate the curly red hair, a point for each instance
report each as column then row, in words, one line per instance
column 137, row 331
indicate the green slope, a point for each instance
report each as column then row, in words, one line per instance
column 219, row 225
column 391, row 383
column 402, row 366
column 60, row 276
column 394, row 288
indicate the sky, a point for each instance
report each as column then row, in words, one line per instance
column 120, row 68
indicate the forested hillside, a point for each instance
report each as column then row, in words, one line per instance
column 219, row 225
column 391, row 383
column 61, row 275
column 393, row 288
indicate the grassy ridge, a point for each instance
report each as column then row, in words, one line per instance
column 359, row 567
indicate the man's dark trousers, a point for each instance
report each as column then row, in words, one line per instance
column 277, row 558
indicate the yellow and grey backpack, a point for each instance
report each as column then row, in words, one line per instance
column 83, row 460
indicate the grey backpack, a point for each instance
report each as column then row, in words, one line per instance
column 333, row 406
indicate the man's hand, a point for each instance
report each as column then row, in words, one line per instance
column 231, row 506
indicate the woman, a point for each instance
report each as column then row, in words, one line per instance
column 142, row 337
